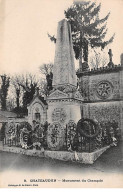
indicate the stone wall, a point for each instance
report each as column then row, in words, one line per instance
column 112, row 81
column 92, row 82
column 103, row 111
column 102, row 90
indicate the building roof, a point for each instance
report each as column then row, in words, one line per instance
column 40, row 98
column 43, row 100
column 3, row 118
column 5, row 115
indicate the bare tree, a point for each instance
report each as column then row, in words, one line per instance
column 98, row 60
column 4, row 86
column 10, row 103
column 24, row 86
column 28, row 82
column 45, row 69
column 15, row 81
column 43, row 87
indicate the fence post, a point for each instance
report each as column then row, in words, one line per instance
column 89, row 145
column 4, row 140
column 85, row 142
column 66, row 136
column 81, row 143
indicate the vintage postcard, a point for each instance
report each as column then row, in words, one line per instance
column 61, row 94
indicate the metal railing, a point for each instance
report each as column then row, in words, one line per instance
column 72, row 140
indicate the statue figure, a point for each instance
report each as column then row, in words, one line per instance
column 110, row 55
column 110, row 64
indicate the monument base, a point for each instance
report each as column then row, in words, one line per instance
column 63, row 107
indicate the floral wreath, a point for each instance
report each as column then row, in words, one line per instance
column 25, row 129
column 24, row 138
column 88, row 128
column 11, row 131
column 38, row 134
column 55, row 136
column 71, row 132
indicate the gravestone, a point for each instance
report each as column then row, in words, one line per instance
column 64, row 100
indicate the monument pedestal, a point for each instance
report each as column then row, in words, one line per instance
column 63, row 107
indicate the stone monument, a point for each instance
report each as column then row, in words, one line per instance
column 64, row 101
column 64, row 68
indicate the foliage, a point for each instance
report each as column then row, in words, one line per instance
column 15, row 81
column 22, row 90
column 24, row 125
column 24, row 87
column 2, row 131
column 10, row 104
column 5, row 81
column 47, row 69
column 87, row 29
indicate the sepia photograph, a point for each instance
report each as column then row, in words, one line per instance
column 61, row 94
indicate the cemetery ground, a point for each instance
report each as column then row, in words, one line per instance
column 111, row 161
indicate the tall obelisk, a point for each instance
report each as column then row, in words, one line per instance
column 65, row 100
column 64, row 67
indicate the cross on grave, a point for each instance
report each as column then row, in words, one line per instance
column 110, row 55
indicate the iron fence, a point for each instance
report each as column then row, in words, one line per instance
column 73, row 141
column 80, row 143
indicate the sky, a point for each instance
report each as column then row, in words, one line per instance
column 24, row 25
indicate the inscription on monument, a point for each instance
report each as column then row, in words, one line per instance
column 58, row 115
